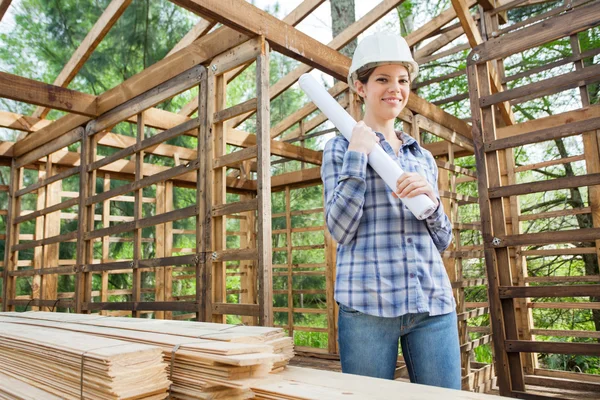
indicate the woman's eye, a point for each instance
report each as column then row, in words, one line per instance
column 381, row 79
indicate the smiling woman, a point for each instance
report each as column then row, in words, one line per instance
column 391, row 283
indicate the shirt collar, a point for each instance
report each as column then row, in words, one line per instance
column 407, row 140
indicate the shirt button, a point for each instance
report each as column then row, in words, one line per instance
column 409, row 240
column 412, row 275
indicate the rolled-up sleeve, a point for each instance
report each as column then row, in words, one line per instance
column 344, row 179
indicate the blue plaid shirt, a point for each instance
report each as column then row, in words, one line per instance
column 388, row 262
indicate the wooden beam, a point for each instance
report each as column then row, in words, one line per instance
column 198, row 52
column 433, row 25
column 474, row 37
column 551, row 121
column 337, row 43
column 4, row 4
column 251, row 21
column 21, row 122
column 108, row 18
column 33, row 92
column 200, row 29
column 567, row 24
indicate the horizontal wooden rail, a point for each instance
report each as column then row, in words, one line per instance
column 525, row 346
column 514, row 292
column 146, row 143
column 544, row 186
column 569, row 236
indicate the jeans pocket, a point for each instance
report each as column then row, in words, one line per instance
column 347, row 310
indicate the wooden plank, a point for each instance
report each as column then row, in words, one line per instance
column 337, row 43
column 566, row 306
column 562, row 383
column 146, row 143
column 434, row 24
column 198, row 52
column 549, row 163
column 567, row 24
column 424, row 54
column 569, row 236
column 523, row 346
column 236, row 309
column 543, row 186
column 234, row 111
column 47, row 181
column 263, row 142
column 47, row 210
column 509, row 368
column 474, row 37
column 509, row 292
column 557, row 252
column 21, row 122
column 561, row 62
column 167, row 174
column 569, row 333
column 141, row 223
column 235, row 158
column 4, row 4
column 455, row 74
column 46, row 241
column 234, row 208
column 149, row 99
column 33, row 92
column 535, row 90
column 200, row 29
column 425, row 123
column 553, row 214
column 108, row 18
column 244, row 139
column 304, row 111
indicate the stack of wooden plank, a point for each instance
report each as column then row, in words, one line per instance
column 201, row 368
column 14, row 389
column 274, row 337
column 71, row 366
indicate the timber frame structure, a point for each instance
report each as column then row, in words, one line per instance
column 227, row 173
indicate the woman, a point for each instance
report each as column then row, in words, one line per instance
column 391, row 283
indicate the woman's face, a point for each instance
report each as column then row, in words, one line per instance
column 386, row 92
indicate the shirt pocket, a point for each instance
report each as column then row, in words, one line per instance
column 425, row 170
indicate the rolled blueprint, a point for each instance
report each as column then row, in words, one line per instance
column 421, row 205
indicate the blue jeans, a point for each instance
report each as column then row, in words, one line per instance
column 369, row 346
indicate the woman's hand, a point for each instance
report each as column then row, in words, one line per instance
column 363, row 138
column 411, row 184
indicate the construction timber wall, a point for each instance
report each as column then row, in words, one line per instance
column 239, row 225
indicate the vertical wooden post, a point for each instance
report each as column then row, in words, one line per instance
column 159, row 273
column 248, row 241
column 105, row 244
column 137, row 215
column 49, row 282
column 12, row 237
column 290, row 264
column 263, row 141
column 201, row 174
column 40, row 229
column 510, row 373
column 82, row 227
column 168, row 271
column 204, row 240
column 591, row 150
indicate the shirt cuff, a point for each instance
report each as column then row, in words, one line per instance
column 435, row 219
column 355, row 165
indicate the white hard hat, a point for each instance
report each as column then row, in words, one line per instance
column 382, row 48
